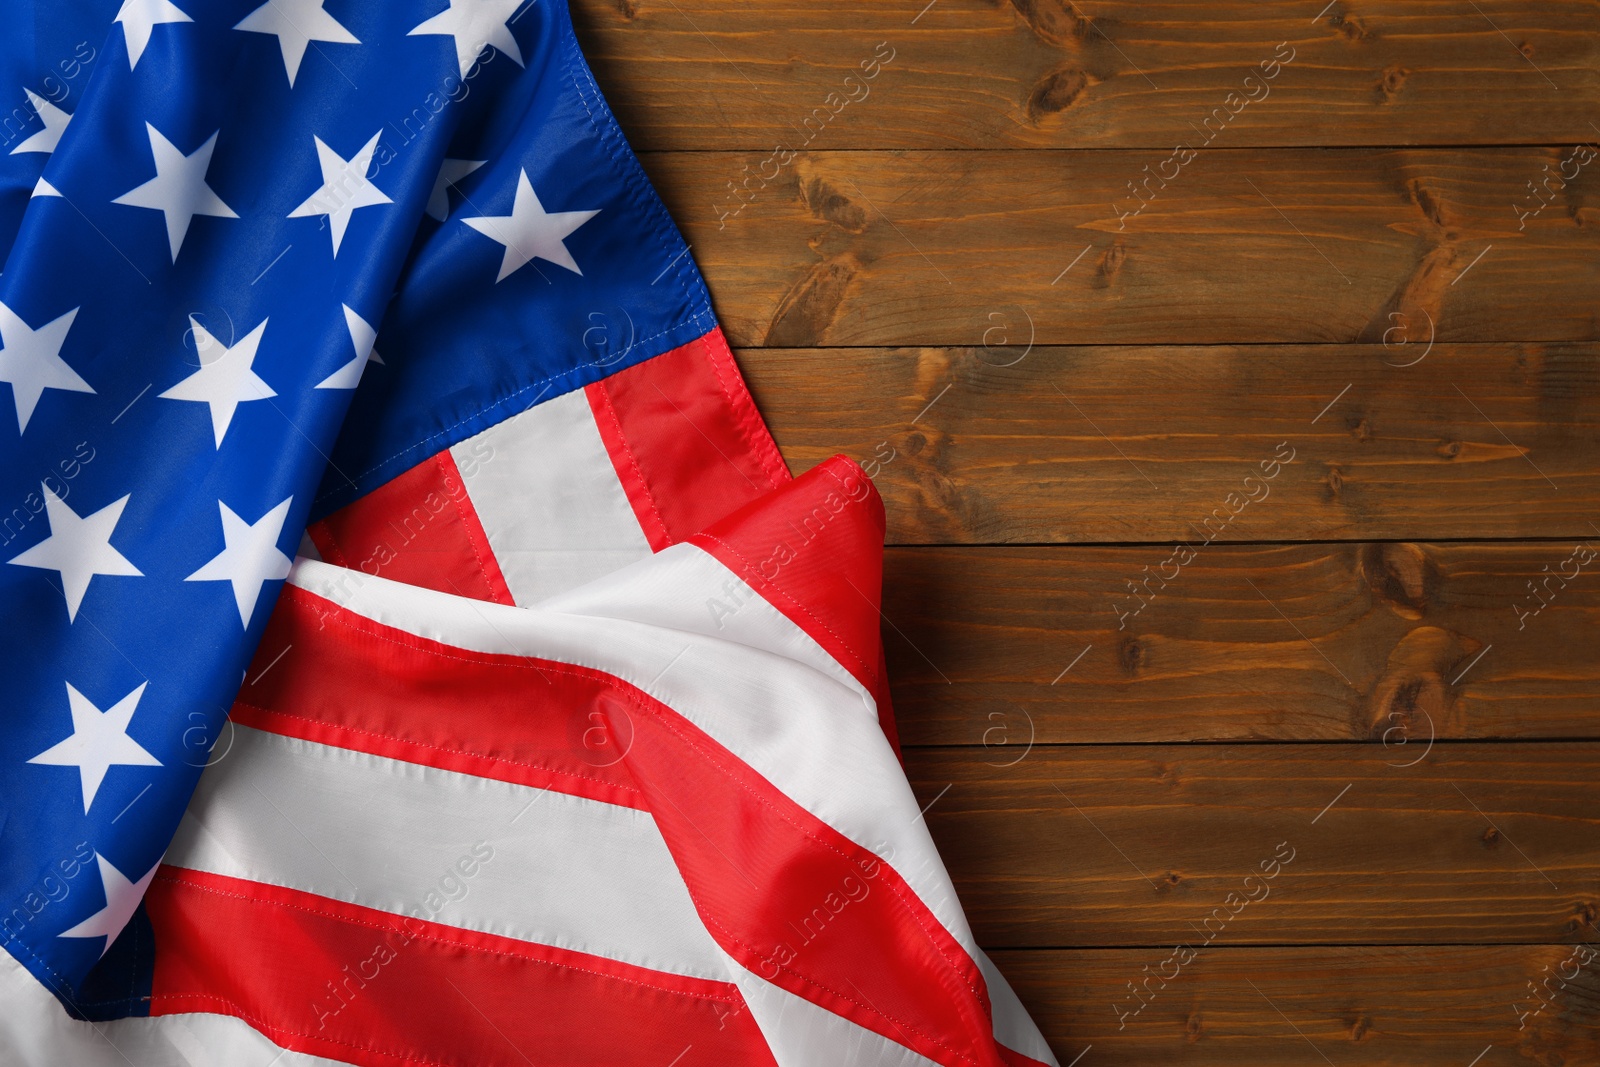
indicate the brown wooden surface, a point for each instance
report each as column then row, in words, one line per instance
column 979, row 74
column 1309, row 245
column 1137, row 845
column 1251, row 246
column 1379, row 1006
column 1142, row 444
column 950, row 279
column 1339, row 642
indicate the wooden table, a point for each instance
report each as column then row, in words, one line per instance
column 1229, row 371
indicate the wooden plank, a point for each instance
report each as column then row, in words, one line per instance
column 1119, row 845
column 1288, row 245
column 725, row 74
column 1148, row 444
column 1394, row 643
column 1380, row 1006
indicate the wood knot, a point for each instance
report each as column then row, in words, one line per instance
column 628, row 9
column 1057, row 91
column 808, row 309
column 830, row 204
column 1392, row 81
column 915, row 443
column 1401, row 575
column 1360, row 1028
column 1426, row 202
column 1359, row 427
column 1350, row 29
column 1192, row 1026
column 1412, row 701
column 1334, row 482
column 1583, row 916
column 1055, row 21
column 1110, row 265
column 1526, row 48
column 1491, row 837
column 1170, row 879
column 1131, row 654
column 1450, row 449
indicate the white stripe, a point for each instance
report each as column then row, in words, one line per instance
column 1013, row 1027
column 549, row 500
column 476, row 853
column 762, row 688
column 800, row 1034
column 35, row 1030
column 758, row 684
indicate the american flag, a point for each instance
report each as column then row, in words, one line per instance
column 566, row 737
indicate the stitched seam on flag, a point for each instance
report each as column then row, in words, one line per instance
column 868, row 1009
column 133, row 977
column 268, row 1029
column 751, row 569
column 334, row 552
column 440, row 748
column 435, row 938
column 633, row 461
column 642, row 701
column 715, row 761
column 137, row 969
column 470, row 526
column 501, row 405
column 644, row 197
column 631, row 172
column 712, row 759
column 743, row 408
column 42, row 962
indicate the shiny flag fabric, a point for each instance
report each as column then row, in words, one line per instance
column 567, row 740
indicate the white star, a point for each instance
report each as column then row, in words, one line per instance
column 476, row 24
column 122, row 900
column 344, row 188
column 251, row 559
column 362, row 335
column 138, row 17
column 296, row 23
column 78, row 547
column 179, row 190
column 224, row 380
column 530, row 232
column 55, row 124
column 44, row 188
column 452, row 171
column 99, row 742
column 31, row 361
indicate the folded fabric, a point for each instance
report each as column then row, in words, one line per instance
column 568, row 738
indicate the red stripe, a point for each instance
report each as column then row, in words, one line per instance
column 814, row 550
column 1012, row 1058
column 325, row 674
column 801, row 905
column 685, row 439
column 758, row 865
column 689, row 446
column 418, row 528
column 369, row 987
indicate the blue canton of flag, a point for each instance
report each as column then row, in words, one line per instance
column 260, row 259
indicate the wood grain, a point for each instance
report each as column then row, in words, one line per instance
column 1125, row 293
column 1122, row 845
column 1147, row 444
column 1290, row 245
column 1393, row 643
column 725, row 74
column 1417, row 1007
